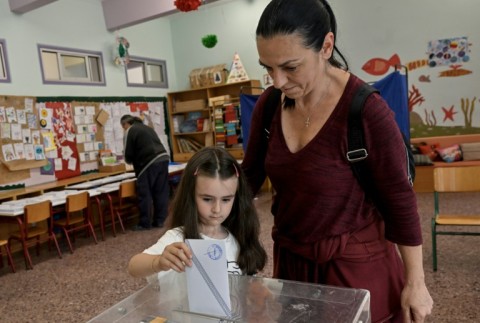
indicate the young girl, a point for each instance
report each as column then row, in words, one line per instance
column 213, row 201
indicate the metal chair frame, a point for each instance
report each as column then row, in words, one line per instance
column 37, row 222
column 452, row 179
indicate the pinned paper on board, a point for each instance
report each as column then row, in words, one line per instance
column 49, row 141
column 39, row 152
column 8, row 152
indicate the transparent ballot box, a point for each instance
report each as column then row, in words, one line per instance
column 253, row 299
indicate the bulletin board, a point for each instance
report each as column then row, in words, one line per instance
column 21, row 143
column 153, row 114
column 67, row 134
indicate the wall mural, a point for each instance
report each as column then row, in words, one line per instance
column 445, row 59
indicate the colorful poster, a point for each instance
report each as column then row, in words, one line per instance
column 62, row 126
column 445, row 52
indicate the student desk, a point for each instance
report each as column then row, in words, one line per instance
column 253, row 299
column 40, row 189
column 83, row 182
column 14, row 208
column 11, row 212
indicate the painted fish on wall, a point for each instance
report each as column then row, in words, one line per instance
column 380, row 66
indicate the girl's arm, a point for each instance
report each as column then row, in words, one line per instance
column 175, row 256
column 416, row 300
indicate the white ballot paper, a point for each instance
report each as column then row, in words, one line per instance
column 207, row 280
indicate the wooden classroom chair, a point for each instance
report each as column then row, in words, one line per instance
column 77, row 217
column 452, row 179
column 36, row 225
column 122, row 203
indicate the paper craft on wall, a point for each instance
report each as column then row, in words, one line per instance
column 21, row 117
column 27, row 136
column 8, row 152
column 3, row 116
column 16, row 131
column 19, row 150
column 29, row 153
column 237, row 71
column 11, row 115
column 32, row 120
column 49, row 141
column 39, row 153
column 45, row 117
column 5, row 130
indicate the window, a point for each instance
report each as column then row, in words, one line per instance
column 4, row 72
column 71, row 66
column 146, row 72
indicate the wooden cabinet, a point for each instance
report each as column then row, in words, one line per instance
column 194, row 117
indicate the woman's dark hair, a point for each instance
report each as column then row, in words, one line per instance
column 242, row 221
column 127, row 118
column 311, row 19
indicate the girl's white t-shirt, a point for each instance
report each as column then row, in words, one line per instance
column 176, row 235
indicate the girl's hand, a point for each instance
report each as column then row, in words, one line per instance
column 175, row 256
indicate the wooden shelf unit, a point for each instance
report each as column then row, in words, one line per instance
column 195, row 103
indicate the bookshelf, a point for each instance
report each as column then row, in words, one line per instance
column 193, row 123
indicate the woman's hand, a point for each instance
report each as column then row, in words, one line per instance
column 175, row 256
column 416, row 302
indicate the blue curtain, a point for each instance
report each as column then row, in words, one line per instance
column 393, row 88
column 247, row 103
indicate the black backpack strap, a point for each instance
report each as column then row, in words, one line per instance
column 356, row 146
column 357, row 150
column 271, row 104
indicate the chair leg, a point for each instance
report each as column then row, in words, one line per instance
column 90, row 225
column 112, row 214
column 52, row 237
column 434, row 244
column 65, row 231
column 119, row 216
column 100, row 216
column 37, row 246
column 10, row 259
column 26, row 255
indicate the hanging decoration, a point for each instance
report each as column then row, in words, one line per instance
column 209, row 41
column 187, row 5
column 121, row 51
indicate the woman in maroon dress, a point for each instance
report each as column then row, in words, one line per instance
column 326, row 230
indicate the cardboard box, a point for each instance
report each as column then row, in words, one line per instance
column 218, row 100
column 192, row 105
column 471, row 150
column 120, row 167
column 208, row 76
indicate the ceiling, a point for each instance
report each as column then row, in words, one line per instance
column 117, row 13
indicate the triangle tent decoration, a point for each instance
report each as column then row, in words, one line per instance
column 237, row 71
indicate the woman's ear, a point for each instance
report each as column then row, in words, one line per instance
column 328, row 44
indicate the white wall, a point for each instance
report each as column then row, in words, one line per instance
column 77, row 24
column 234, row 22
column 366, row 29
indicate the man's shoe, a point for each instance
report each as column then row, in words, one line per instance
column 157, row 225
column 140, row 228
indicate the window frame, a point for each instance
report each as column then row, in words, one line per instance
column 151, row 61
column 4, row 61
column 66, row 51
